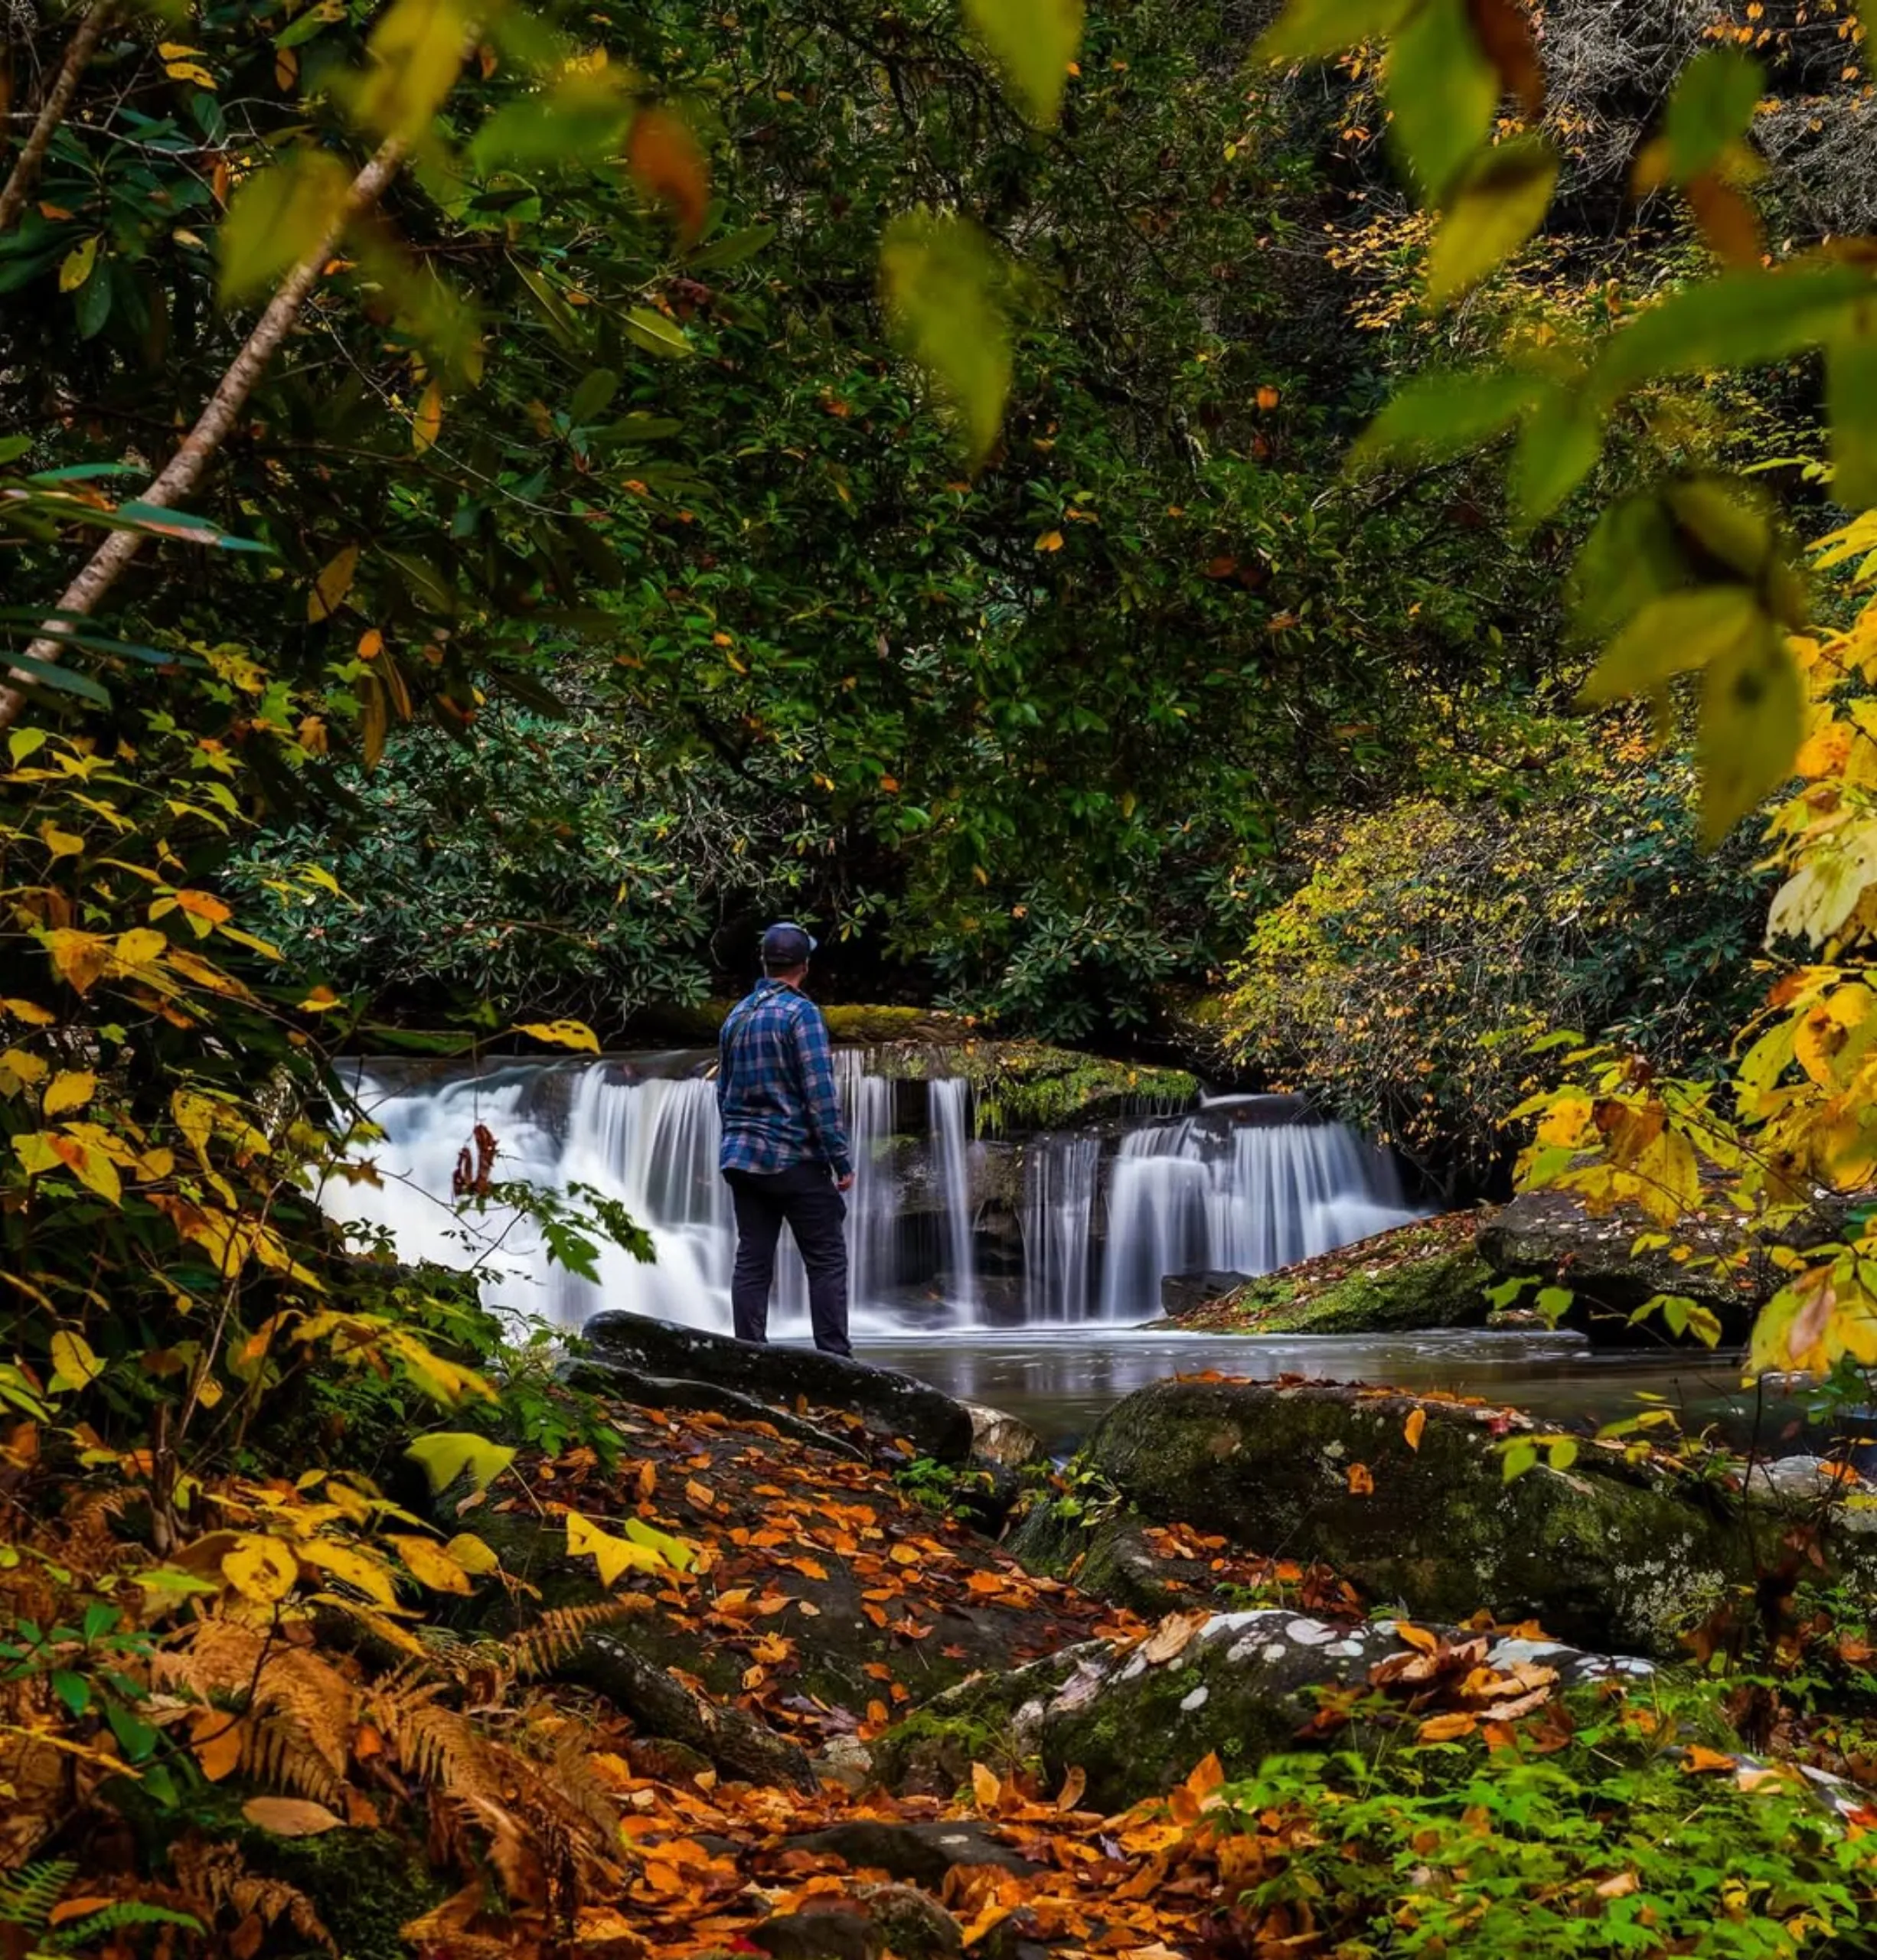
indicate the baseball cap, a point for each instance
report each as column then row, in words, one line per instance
column 788, row 945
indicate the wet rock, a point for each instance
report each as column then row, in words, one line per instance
column 847, row 1761
column 1603, row 1552
column 891, row 1403
column 840, row 1930
column 913, row 1926
column 917, row 1854
column 1109, row 1556
column 1245, row 1685
column 1003, row 1438
column 652, row 1391
column 1183, row 1293
column 1547, row 1235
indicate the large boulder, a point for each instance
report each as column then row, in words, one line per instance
column 1428, row 1273
column 1549, row 1236
column 1247, row 1685
column 888, row 1402
column 1603, row 1551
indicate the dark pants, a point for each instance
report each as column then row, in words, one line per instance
column 804, row 1197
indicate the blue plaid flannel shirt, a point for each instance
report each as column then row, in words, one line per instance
column 775, row 1085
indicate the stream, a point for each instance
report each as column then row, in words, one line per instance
column 1061, row 1381
column 1015, row 1270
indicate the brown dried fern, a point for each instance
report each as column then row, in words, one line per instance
column 214, row 1880
column 558, row 1634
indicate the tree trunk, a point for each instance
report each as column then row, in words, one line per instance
column 187, row 467
column 25, row 171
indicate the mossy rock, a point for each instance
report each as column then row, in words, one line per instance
column 364, row 1885
column 1600, row 1552
column 1423, row 1275
column 1248, row 1685
column 1107, row 1556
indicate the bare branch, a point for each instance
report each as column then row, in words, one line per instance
column 25, row 171
column 186, row 468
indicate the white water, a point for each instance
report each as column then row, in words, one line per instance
column 1189, row 1197
column 1059, row 1216
column 1219, row 1190
column 951, row 1106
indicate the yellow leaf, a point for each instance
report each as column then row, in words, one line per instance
column 1034, row 42
column 78, row 958
column 937, row 280
column 445, row 1456
column 1447, row 1728
column 429, row 1563
column 260, row 1569
column 332, row 584
column 1050, row 541
column 76, row 268
column 427, row 421
column 290, row 1817
column 985, row 1787
column 1411, row 1429
column 190, row 71
column 472, row 1554
column 562, row 1034
column 73, row 1364
column 370, row 1575
column 139, row 946
column 29, row 1011
column 613, row 1556
column 176, row 51
column 276, row 217
column 1499, row 202
column 60, row 843
column 71, row 1089
column 415, row 52
column 25, row 1069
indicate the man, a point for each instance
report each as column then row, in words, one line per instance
column 785, row 1150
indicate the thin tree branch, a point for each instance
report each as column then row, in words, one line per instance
column 25, row 171
column 186, row 469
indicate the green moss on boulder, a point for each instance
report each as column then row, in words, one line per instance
column 1423, row 1275
column 1601, row 1552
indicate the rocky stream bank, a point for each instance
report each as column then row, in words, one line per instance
column 908, row 1696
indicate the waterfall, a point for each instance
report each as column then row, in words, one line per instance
column 1195, row 1195
column 1240, row 1185
column 1058, row 1219
column 950, row 1101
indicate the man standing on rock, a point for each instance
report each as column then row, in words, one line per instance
column 784, row 1152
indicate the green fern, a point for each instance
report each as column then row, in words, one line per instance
column 109, row 1918
column 26, row 1898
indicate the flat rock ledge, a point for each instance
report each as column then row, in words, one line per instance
column 891, row 1403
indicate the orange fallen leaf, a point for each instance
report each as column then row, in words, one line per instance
column 1447, row 1728
column 1700, row 1760
column 1410, row 1430
column 1361, row 1481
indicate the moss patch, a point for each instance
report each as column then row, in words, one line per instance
column 1425, row 1274
column 1029, row 1085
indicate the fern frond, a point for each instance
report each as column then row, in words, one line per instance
column 110, row 1918
column 216, row 1878
column 557, row 1634
column 26, row 1898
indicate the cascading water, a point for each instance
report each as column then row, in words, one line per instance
column 951, row 1103
column 1200, row 1194
column 1059, row 1219
column 1239, row 1186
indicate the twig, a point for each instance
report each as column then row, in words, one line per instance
column 25, row 171
column 186, row 469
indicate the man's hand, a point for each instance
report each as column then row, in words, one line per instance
column 844, row 1183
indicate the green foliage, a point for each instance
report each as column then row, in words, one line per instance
column 1432, row 941
column 1638, row 1837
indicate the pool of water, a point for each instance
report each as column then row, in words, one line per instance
column 1062, row 1380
